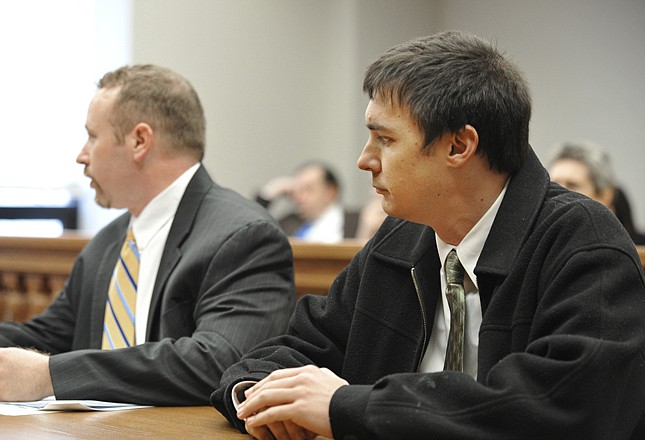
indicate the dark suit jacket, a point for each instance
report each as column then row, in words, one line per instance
column 225, row 283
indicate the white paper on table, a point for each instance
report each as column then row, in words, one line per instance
column 49, row 405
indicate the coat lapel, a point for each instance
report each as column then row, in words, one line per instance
column 517, row 213
column 172, row 253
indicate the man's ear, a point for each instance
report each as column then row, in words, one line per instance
column 464, row 145
column 142, row 138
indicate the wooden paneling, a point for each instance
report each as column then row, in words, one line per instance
column 32, row 272
column 317, row 265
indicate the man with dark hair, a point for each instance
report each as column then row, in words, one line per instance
column 203, row 274
column 491, row 304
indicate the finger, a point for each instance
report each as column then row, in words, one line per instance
column 309, row 434
column 260, row 432
column 296, row 431
column 286, row 378
column 289, row 431
column 279, row 431
column 273, row 414
column 276, row 376
column 261, row 401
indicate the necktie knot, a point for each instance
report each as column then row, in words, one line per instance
column 454, row 269
column 130, row 237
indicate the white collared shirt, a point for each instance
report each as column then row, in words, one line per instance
column 468, row 252
column 328, row 228
column 151, row 229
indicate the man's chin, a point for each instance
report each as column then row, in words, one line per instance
column 102, row 202
column 388, row 208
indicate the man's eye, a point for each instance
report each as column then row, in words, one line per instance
column 384, row 140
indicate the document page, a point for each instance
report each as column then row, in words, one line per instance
column 51, row 405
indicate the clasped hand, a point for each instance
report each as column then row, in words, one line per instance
column 291, row 404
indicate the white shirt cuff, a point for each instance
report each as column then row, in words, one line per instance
column 237, row 393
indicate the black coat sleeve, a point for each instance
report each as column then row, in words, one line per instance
column 317, row 335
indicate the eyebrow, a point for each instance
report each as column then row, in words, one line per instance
column 377, row 127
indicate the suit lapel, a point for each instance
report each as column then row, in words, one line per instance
column 180, row 229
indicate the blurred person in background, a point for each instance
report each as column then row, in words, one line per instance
column 314, row 192
column 586, row 168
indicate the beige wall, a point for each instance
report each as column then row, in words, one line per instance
column 281, row 79
column 585, row 61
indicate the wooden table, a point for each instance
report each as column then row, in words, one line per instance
column 194, row 422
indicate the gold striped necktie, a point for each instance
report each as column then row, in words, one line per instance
column 457, row 303
column 118, row 325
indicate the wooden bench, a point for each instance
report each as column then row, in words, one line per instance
column 34, row 269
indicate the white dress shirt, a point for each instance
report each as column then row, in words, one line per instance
column 328, row 228
column 468, row 252
column 151, row 229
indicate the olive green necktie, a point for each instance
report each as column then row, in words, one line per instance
column 118, row 325
column 457, row 303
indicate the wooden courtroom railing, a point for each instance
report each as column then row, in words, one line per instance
column 32, row 272
column 317, row 265
column 34, row 269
